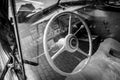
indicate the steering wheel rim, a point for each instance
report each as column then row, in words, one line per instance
column 50, row 61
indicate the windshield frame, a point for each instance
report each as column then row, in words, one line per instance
column 53, row 8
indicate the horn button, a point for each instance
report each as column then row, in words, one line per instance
column 71, row 43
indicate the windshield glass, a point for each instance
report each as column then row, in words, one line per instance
column 41, row 3
column 51, row 2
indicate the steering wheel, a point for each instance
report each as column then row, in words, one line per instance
column 69, row 42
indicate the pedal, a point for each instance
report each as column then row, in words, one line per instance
column 30, row 63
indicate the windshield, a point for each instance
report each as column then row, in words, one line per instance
column 51, row 2
column 41, row 3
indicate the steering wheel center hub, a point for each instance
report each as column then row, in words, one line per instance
column 71, row 43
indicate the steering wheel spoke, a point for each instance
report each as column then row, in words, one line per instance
column 58, row 53
column 82, row 52
column 69, row 27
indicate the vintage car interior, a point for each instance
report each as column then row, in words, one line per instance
column 60, row 40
